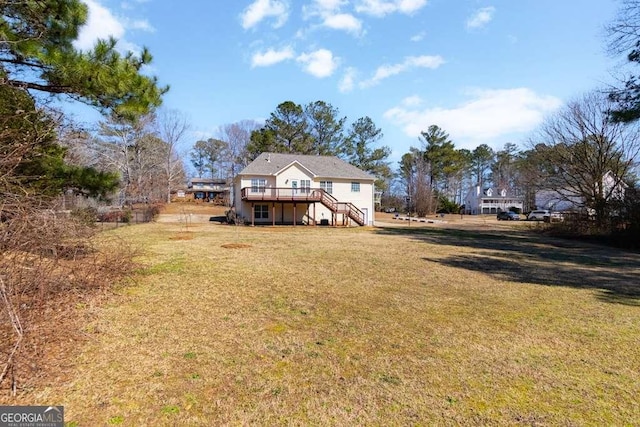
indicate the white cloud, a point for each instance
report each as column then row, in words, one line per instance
column 343, row 21
column 412, row 101
column 329, row 12
column 384, row 7
column 262, row 9
column 140, row 24
column 101, row 24
column 348, row 80
column 320, row 63
column 418, row 37
column 330, row 5
column 481, row 18
column 410, row 62
column 488, row 115
column 271, row 57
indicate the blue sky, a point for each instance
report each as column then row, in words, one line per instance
column 484, row 71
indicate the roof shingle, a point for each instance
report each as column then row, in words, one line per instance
column 320, row 166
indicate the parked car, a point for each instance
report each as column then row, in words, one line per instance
column 556, row 217
column 508, row 216
column 539, row 215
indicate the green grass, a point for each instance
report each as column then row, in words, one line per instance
column 324, row 326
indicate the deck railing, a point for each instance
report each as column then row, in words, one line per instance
column 277, row 194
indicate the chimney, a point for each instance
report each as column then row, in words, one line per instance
column 268, row 157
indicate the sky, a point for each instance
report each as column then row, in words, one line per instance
column 486, row 72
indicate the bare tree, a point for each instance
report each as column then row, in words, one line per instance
column 579, row 145
column 123, row 147
column 237, row 136
column 172, row 128
column 415, row 172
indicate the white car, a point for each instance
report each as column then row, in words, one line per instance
column 538, row 215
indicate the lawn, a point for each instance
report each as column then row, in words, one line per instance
column 360, row 326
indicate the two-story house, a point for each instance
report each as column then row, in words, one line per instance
column 300, row 189
column 490, row 201
column 215, row 190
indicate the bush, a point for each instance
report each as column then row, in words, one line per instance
column 115, row 216
column 151, row 212
column 86, row 216
column 233, row 218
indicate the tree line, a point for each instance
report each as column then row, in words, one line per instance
column 314, row 129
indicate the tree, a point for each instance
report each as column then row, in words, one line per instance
column 359, row 151
column 33, row 160
column 261, row 141
column 581, row 144
column 415, row 173
column 503, row 169
column 289, row 126
column 37, row 54
column 624, row 38
column 237, row 137
column 207, row 156
column 438, row 153
column 129, row 146
column 314, row 129
column 172, row 129
column 481, row 159
column 325, row 128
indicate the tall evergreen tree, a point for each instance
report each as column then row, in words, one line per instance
column 289, row 125
column 482, row 159
column 37, row 54
column 440, row 155
column 325, row 128
column 359, row 150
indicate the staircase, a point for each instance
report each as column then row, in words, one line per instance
column 348, row 209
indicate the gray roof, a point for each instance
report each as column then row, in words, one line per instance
column 320, row 166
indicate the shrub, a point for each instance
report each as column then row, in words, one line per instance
column 86, row 216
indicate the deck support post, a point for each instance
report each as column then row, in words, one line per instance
column 253, row 215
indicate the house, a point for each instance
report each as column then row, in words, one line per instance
column 214, row 190
column 566, row 199
column 491, row 201
column 300, row 189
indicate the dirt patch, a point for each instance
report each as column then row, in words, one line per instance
column 235, row 246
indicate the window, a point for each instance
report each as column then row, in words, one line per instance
column 305, row 186
column 327, row 186
column 261, row 211
column 355, row 187
column 258, row 185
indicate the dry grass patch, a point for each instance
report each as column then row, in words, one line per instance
column 328, row 326
column 235, row 246
column 185, row 235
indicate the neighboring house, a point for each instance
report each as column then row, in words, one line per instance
column 490, row 201
column 569, row 200
column 208, row 190
column 299, row 189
